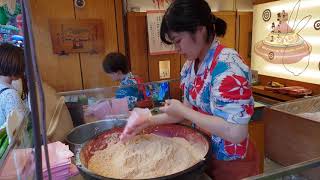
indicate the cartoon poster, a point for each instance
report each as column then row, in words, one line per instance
column 11, row 22
column 286, row 40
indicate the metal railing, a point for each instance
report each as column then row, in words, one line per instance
column 289, row 170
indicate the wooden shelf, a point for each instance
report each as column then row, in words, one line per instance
column 259, row 90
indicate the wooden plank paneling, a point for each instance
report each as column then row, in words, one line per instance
column 91, row 64
column 120, row 25
column 143, row 64
column 137, row 42
column 61, row 72
column 154, row 75
column 154, row 66
column 244, row 36
column 229, row 40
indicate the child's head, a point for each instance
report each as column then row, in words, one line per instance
column 11, row 61
column 116, row 65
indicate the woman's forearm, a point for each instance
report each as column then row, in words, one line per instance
column 234, row 133
column 164, row 119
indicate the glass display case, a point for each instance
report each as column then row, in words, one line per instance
column 308, row 170
column 17, row 160
column 78, row 101
column 292, row 136
column 103, row 103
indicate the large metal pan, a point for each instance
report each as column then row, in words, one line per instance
column 82, row 133
column 99, row 142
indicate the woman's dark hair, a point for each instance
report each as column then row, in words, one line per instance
column 187, row 15
column 115, row 62
column 25, row 88
column 11, row 60
column 12, row 64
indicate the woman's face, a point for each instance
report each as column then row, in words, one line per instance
column 189, row 45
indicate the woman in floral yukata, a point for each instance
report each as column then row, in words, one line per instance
column 116, row 65
column 217, row 91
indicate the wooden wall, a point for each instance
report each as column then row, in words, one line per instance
column 54, row 67
column 229, row 40
column 147, row 66
column 137, row 44
column 244, row 36
column 144, row 64
column 80, row 70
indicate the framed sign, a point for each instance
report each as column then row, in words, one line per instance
column 76, row 36
column 164, row 69
column 156, row 46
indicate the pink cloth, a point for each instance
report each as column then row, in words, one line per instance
column 62, row 175
column 60, row 161
column 59, row 154
column 100, row 109
column 119, row 106
column 108, row 107
column 19, row 161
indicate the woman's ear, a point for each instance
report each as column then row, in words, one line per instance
column 201, row 33
column 201, row 29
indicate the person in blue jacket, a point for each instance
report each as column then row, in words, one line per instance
column 116, row 65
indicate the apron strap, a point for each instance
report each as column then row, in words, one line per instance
column 213, row 65
column 215, row 57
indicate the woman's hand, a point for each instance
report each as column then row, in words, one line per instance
column 139, row 119
column 174, row 108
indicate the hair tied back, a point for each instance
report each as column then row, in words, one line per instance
column 213, row 19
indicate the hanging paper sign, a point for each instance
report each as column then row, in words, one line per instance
column 156, row 46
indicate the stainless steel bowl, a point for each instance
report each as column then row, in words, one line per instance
column 82, row 133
